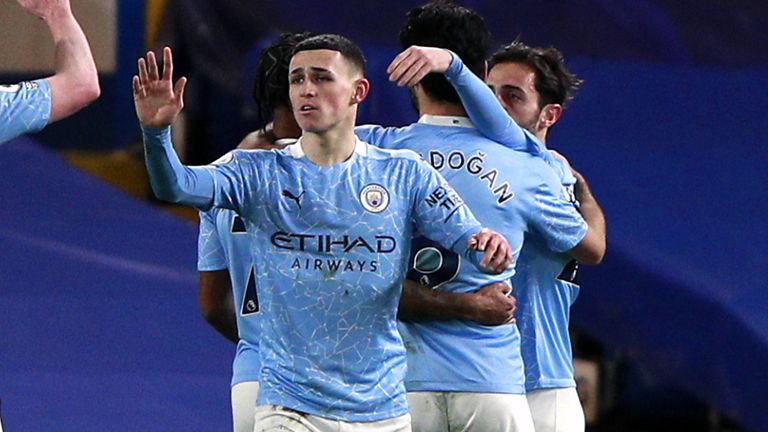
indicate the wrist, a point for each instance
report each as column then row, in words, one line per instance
column 466, row 306
column 58, row 15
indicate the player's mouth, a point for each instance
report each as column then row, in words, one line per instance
column 307, row 108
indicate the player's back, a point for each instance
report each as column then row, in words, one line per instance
column 498, row 185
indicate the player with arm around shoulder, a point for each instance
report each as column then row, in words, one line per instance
column 463, row 375
column 534, row 85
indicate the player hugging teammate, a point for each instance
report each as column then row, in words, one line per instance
column 331, row 223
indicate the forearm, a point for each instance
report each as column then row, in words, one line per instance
column 420, row 303
column 225, row 324
column 171, row 181
column 483, row 108
column 593, row 215
column 76, row 81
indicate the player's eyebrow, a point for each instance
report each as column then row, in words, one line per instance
column 312, row 68
column 511, row 87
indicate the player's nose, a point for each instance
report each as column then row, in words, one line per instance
column 308, row 89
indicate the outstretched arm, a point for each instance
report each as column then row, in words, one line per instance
column 76, row 81
column 481, row 105
column 158, row 103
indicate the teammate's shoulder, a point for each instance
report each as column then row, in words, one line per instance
column 394, row 154
column 37, row 87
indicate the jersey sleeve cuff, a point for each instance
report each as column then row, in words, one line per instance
column 156, row 136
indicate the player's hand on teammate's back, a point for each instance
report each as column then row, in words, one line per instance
column 413, row 64
column 157, row 100
column 491, row 305
column 498, row 255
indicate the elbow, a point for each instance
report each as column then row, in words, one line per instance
column 593, row 259
column 594, row 256
column 88, row 90
column 92, row 90
column 211, row 312
column 166, row 192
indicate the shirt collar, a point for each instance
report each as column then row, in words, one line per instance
column 441, row 120
column 297, row 152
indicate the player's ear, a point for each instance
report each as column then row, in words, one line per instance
column 362, row 86
column 550, row 114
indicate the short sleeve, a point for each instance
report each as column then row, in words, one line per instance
column 24, row 107
column 236, row 176
column 210, row 251
column 439, row 211
column 555, row 216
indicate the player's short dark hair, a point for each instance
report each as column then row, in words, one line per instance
column 348, row 49
column 554, row 82
column 443, row 24
column 270, row 89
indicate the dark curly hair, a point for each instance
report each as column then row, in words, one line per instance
column 444, row 24
column 554, row 82
column 270, row 89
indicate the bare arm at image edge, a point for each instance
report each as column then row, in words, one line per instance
column 75, row 83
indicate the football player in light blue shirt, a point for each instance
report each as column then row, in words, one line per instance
column 533, row 85
column 332, row 219
column 30, row 105
column 224, row 246
column 463, row 375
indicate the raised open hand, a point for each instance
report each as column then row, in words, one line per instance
column 158, row 102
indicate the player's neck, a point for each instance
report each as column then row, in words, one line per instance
column 429, row 106
column 329, row 147
column 541, row 134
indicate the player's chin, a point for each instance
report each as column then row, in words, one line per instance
column 310, row 125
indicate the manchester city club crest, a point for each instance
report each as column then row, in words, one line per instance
column 374, row 198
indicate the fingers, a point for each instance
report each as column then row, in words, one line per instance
column 479, row 239
column 401, row 65
column 405, row 54
column 415, row 74
column 178, row 91
column 143, row 74
column 491, row 249
column 138, row 90
column 167, row 64
column 498, row 255
column 410, row 66
column 503, row 288
column 154, row 75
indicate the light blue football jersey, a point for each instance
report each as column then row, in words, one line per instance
column 224, row 244
column 512, row 192
column 24, row 107
column 331, row 247
column 545, row 282
column 547, row 285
